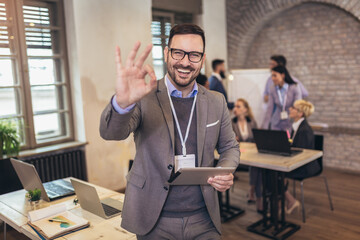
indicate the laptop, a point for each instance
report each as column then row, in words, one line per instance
column 30, row 180
column 90, row 201
column 274, row 142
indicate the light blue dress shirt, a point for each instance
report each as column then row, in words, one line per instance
column 171, row 88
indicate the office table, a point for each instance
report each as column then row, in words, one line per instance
column 273, row 171
column 14, row 208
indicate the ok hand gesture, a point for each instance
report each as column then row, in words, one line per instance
column 130, row 79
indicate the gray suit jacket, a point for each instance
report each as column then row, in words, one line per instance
column 152, row 123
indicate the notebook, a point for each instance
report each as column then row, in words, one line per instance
column 274, row 142
column 55, row 221
column 90, row 201
column 30, row 180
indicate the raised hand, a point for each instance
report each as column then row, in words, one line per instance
column 130, row 79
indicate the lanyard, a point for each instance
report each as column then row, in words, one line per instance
column 282, row 101
column 183, row 140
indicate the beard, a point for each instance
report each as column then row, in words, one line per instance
column 177, row 79
column 222, row 74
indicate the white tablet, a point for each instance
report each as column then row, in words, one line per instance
column 198, row 175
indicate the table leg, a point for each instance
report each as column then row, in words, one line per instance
column 4, row 230
column 271, row 226
column 228, row 212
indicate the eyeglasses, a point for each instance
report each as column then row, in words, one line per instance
column 179, row 54
column 295, row 108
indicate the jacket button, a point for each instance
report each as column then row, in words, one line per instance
column 170, row 166
column 166, row 188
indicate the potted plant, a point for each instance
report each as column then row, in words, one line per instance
column 34, row 197
column 9, row 139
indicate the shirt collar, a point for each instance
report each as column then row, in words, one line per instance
column 284, row 88
column 176, row 93
column 217, row 75
column 296, row 124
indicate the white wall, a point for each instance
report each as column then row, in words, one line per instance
column 213, row 21
column 94, row 28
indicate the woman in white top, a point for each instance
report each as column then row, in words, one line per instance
column 243, row 123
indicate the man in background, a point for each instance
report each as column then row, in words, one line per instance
column 280, row 60
column 216, row 78
column 202, row 80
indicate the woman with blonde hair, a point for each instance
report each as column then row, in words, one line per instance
column 302, row 137
column 242, row 124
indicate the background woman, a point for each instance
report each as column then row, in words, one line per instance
column 303, row 137
column 281, row 96
column 243, row 123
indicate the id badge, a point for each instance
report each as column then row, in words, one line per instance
column 184, row 162
column 284, row 115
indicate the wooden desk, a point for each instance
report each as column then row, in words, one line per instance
column 14, row 208
column 273, row 171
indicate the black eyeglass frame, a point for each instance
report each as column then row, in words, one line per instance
column 186, row 53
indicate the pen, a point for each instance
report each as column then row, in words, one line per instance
column 57, row 220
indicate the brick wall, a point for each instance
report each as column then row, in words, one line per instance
column 322, row 45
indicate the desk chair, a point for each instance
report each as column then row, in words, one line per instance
column 319, row 145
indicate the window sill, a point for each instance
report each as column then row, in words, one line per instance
column 52, row 148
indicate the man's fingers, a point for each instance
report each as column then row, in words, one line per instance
column 118, row 57
column 147, row 69
column 227, row 177
column 219, row 187
column 143, row 56
column 132, row 55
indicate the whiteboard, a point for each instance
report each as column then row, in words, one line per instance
column 250, row 84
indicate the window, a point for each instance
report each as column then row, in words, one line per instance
column 34, row 83
column 160, row 29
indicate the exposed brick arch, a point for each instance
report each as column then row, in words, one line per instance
column 250, row 16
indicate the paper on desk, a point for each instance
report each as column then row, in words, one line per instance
column 46, row 212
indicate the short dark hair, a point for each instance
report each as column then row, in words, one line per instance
column 279, row 59
column 201, row 79
column 216, row 62
column 186, row 28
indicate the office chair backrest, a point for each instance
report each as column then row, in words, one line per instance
column 319, row 145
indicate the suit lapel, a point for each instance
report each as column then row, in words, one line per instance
column 163, row 99
column 201, row 115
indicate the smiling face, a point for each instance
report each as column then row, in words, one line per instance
column 278, row 78
column 183, row 72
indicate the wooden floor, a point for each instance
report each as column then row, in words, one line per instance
column 321, row 223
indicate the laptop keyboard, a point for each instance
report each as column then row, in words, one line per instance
column 56, row 188
column 109, row 211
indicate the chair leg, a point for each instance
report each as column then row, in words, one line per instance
column 302, row 200
column 294, row 188
column 328, row 193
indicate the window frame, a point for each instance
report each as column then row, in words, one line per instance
column 22, row 75
column 162, row 36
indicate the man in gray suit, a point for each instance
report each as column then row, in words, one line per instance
column 176, row 123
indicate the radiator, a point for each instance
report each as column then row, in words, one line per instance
column 61, row 164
